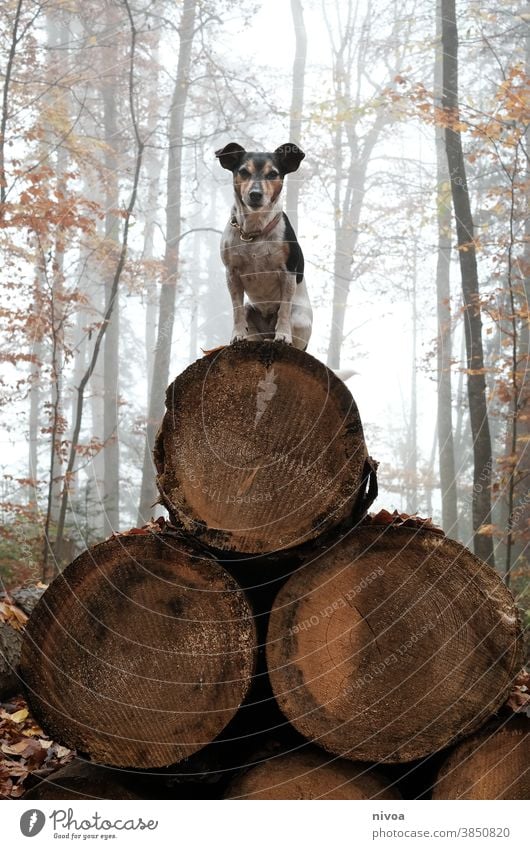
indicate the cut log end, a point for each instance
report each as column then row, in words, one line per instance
column 310, row 775
column 261, row 449
column 493, row 764
column 392, row 644
column 139, row 653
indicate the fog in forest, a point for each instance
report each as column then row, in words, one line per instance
column 113, row 204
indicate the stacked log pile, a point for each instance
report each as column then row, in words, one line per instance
column 272, row 640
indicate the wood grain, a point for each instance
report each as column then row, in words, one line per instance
column 392, row 644
column 261, row 449
column 140, row 652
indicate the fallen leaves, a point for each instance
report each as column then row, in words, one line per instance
column 488, row 530
column 384, row 517
column 209, row 351
column 519, row 699
column 13, row 615
column 156, row 526
column 26, row 753
column 19, row 715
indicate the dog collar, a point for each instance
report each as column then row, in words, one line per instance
column 249, row 237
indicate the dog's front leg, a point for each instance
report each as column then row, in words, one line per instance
column 237, row 293
column 283, row 322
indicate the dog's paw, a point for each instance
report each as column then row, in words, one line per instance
column 239, row 335
column 279, row 336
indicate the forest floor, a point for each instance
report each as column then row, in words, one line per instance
column 27, row 754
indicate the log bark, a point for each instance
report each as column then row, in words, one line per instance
column 10, row 645
column 310, row 775
column 392, row 644
column 489, row 765
column 261, row 449
column 140, row 652
column 82, row 780
column 11, row 638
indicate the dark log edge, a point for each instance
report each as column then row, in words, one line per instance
column 264, row 755
column 466, row 746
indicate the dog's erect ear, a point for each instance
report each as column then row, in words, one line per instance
column 289, row 157
column 230, row 155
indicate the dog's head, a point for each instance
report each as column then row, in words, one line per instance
column 258, row 177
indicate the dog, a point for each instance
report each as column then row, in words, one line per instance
column 260, row 251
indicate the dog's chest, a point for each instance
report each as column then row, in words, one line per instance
column 260, row 266
column 257, row 257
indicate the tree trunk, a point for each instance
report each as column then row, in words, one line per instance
column 153, row 168
column 353, row 150
column 81, row 780
column 261, row 449
column 297, row 106
column 392, row 644
column 346, row 237
column 519, row 519
column 140, row 652
column 113, row 293
column 14, row 41
column 111, row 370
column 412, row 452
column 489, row 765
column 476, row 382
column 56, row 112
column 216, row 306
column 79, row 348
column 446, row 454
column 341, row 286
column 195, row 289
column 97, row 464
column 166, row 313
column 310, row 775
column 34, row 421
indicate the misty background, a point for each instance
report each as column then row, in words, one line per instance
column 112, row 208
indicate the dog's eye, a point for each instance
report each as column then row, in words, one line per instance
column 272, row 175
column 244, row 173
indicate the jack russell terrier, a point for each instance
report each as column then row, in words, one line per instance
column 260, row 250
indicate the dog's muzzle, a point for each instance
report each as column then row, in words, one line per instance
column 255, row 198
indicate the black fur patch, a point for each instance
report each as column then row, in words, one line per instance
column 259, row 160
column 295, row 260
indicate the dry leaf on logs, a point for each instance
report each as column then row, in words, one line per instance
column 519, row 699
column 384, row 517
column 13, row 615
column 156, row 526
column 208, row 352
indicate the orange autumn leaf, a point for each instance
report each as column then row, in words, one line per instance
column 488, row 530
column 12, row 615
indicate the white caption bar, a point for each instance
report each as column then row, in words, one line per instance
column 233, row 824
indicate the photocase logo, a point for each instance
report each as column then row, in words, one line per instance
column 32, row 822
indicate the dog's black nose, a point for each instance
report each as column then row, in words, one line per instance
column 255, row 196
